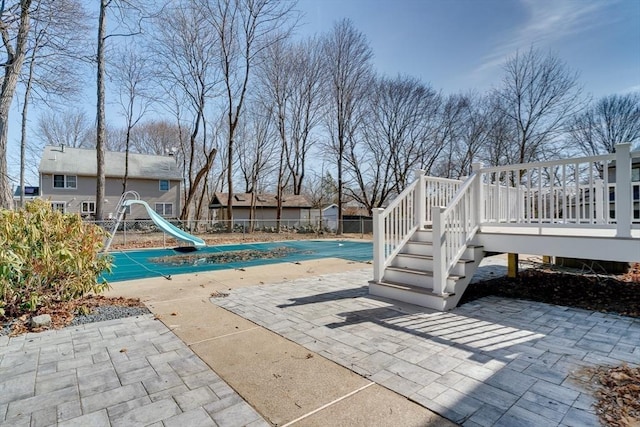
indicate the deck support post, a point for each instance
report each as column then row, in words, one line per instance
column 420, row 207
column 623, row 190
column 439, row 252
column 378, row 245
column 512, row 265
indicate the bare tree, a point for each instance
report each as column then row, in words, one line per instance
column 499, row 149
column 398, row 134
column 186, row 52
column 132, row 75
column 56, row 34
column 538, row 94
column 611, row 120
column 244, row 28
column 449, row 132
column 305, row 106
column 14, row 28
column 159, row 137
column 129, row 14
column 257, row 146
column 70, row 128
column 349, row 74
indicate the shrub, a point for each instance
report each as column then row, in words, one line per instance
column 47, row 256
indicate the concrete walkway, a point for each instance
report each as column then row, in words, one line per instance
column 299, row 344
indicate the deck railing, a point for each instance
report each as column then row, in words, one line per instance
column 453, row 228
column 394, row 225
column 591, row 191
column 595, row 191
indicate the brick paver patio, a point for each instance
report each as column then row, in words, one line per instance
column 491, row 362
column 123, row 372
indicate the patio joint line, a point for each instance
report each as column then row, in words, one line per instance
column 223, row 336
column 328, row 404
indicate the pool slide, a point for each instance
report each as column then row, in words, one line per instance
column 166, row 226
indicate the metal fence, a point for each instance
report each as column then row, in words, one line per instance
column 134, row 232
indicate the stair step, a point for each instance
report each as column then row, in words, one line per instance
column 412, row 288
column 429, row 257
column 425, row 273
column 419, row 242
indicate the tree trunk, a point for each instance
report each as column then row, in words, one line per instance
column 100, row 119
column 23, row 128
column 230, row 183
column 15, row 59
column 126, row 159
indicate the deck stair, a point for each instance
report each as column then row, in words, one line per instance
column 410, row 278
column 430, row 240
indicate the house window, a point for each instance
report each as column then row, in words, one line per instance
column 164, row 209
column 164, row 185
column 58, row 206
column 64, row 181
column 635, row 174
column 88, row 207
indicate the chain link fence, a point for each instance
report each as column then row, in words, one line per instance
column 132, row 233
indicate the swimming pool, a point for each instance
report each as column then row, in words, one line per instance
column 147, row 263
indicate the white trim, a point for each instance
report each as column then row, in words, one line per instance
column 83, row 211
column 65, row 181
column 59, row 203
column 164, row 208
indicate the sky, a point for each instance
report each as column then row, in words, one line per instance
column 461, row 45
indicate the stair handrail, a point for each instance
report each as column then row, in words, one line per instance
column 394, row 225
column 454, row 226
column 409, row 211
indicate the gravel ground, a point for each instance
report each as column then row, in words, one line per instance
column 108, row 312
column 98, row 314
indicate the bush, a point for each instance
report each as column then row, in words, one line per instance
column 47, row 256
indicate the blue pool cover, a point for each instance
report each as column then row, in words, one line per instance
column 131, row 265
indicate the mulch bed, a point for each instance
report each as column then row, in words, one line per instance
column 63, row 312
column 618, row 397
column 607, row 294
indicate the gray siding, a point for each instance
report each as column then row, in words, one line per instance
column 149, row 190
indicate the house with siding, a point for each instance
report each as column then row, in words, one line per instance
column 68, row 180
column 295, row 208
column 30, row 193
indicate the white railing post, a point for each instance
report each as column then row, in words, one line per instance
column 600, row 203
column 420, row 200
column 623, row 190
column 378, row 245
column 478, row 203
column 439, row 251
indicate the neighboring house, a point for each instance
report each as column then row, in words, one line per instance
column 68, row 181
column 635, row 188
column 30, row 193
column 295, row 209
column 327, row 215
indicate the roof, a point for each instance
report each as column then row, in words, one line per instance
column 220, row 200
column 82, row 162
column 28, row 191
